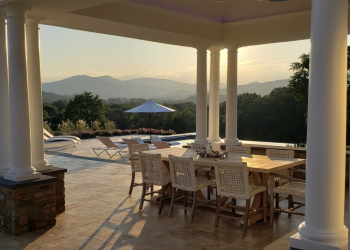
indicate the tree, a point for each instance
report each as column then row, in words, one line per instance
column 85, row 107
column 299, row 84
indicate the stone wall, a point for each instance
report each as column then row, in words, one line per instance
column 28, row 208
column 60, row 191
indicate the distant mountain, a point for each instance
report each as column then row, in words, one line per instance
column 109, row 87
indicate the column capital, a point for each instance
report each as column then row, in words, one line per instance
column 33, row 21
column 232, row 47
column 2, row 15
column 16, row 10
column 201, row 47
column 215, row 49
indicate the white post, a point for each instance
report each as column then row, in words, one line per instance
column 325, row 178
column 21, row 166
column 35, row 95
column 5, row 157
column 231, row 97
column 214, row 95
column 201, row 100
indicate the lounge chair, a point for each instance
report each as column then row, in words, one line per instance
column 59, row 138
column 160, row 144
column 136, row 140
column 49, row 136
column 130, row 142
column 157, row 138
column 106, row 141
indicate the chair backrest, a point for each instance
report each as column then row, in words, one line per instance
column 197, row 146
column 130, row 142
column 238, row 149
column 107, row 142
column 280, row 153
column 48, row 134
column 283, row 154
column 136, row 148
column 160, row 144
column 152, row 169
column 134, row 158
column 232, row 179
column 182, row 173
column 138, row 139
column 155, row 138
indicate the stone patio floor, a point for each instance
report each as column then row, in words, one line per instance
column 101, row 215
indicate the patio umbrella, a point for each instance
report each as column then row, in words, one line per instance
column 150, row 107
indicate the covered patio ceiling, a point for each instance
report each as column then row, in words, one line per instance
column 182, row 22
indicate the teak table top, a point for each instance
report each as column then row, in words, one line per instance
column 256, row 163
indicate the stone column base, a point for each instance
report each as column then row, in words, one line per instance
column 295, row 242
column 60, row 189
column 27, row 206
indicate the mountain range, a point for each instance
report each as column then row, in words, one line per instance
column 108, row 87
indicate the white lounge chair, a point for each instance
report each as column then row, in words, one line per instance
column 157, row 138
column 106, row 141
column 49, row 137
column 58, row 138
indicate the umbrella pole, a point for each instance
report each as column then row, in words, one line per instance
column 150, row 125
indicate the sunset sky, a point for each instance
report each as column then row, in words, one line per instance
column 65, row 53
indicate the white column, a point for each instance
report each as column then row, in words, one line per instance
column 201, row 100
column 5, row 157
column 21, row 166
column 214, row 94
column 326, row 131
column 35, row 95
column 231, row 97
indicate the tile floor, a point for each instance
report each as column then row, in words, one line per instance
column 101, row 215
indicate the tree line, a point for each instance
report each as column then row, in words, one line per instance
column 280, row 116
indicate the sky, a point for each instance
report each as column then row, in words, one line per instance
column 66, row 53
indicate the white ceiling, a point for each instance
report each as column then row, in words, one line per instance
column 181, row 22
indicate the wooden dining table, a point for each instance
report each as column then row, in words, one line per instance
column 260, row 167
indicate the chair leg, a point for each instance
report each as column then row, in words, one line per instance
column 233, row 209
column 193, row 210
column 132, row 182
column 144, row 186
column 152, row 190
column 265, row 206
column 162, row 200
column 172, row 201
column 272, row 205
column 218, row 205
column 208, row 188
column 246, row 217
column 185, row 202
column 277, row 201
column 290, row 204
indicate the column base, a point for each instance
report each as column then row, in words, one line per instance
column 23, row 177
column 201, row 141
column 296, row 242
column 3, row 171
column 218, row 139
column 43, row 167
column 234, row 142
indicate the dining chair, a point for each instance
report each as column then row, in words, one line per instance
column 204, row 170
column 160, row 144
column 284, row 172
column 232, row 182
column 153, row 173
column 293, row 187
column 183, row 177
column 134, row 151
column 238, row 149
